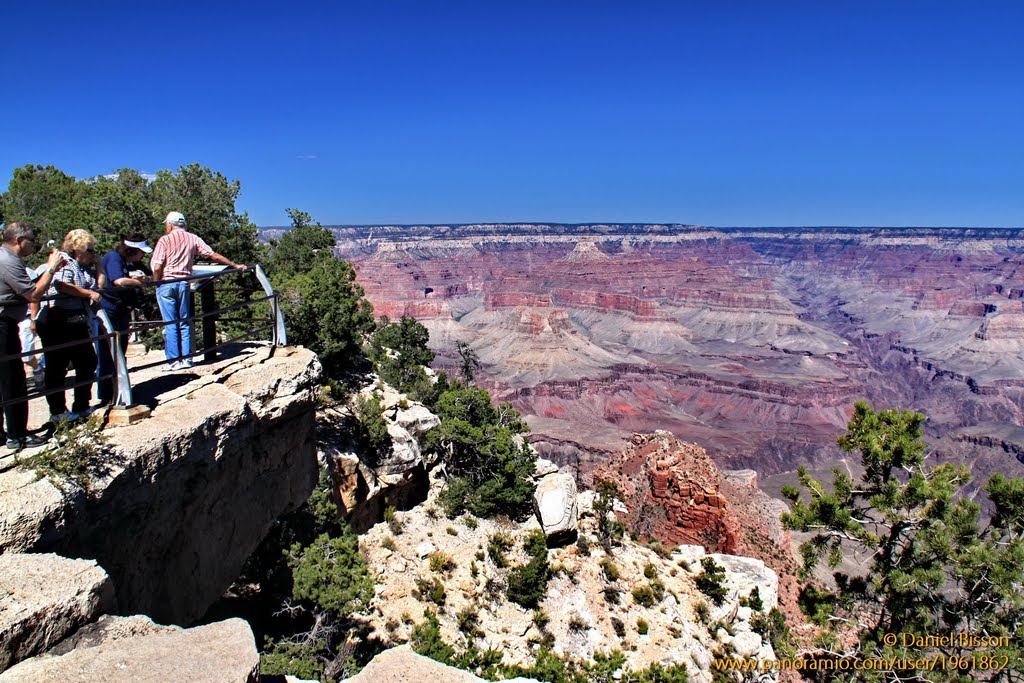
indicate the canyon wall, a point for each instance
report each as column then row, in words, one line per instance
column 753, row 343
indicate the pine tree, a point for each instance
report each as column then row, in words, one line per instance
column 933, row 569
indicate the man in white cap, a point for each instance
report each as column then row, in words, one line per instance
column 174, row 257
column 122, row 278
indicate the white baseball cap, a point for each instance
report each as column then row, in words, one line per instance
column 176, row 219
column 142, row 246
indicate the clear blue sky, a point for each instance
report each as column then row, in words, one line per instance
column 827, row 112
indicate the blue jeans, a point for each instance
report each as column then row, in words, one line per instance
column 173, row 300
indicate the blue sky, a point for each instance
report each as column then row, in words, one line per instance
column 829, row 112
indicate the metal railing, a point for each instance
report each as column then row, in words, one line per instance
column 204, row 284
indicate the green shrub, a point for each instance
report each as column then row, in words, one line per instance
column 394, row 523
column 709, row 581
column 332, row 574
column 644, row 596
column 470, row 522
column 650, row 571
column 527, row 584
column 468, row 621
column 576, row 624
column 491, row 470
column 374, row 440
column 660, row 550
column 497, row 545
column 583, row 545
column 642, row 626
column 753, row 601
column 77, row 455
column 399, row 351
column 441, row 563
column 702, row 611
column 324, row 308
column 609, row 529
column 611, row 571
column 426, row 639
column 540, row 618
column 773, row 628
column 388, row 542
column 432, row 590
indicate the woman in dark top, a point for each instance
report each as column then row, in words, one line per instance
column 121, row 291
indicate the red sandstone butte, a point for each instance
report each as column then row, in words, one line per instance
column 672, row 492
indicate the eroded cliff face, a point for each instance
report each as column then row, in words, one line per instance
column 752, row 343
column 673, row 492
column 229, row 448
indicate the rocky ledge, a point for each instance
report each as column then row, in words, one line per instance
column 190, row 491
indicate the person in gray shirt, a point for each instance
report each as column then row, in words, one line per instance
column 16, row 291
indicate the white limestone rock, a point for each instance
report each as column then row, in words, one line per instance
column 746, row 644
column 555, row 504
column 401, row 664
column 44, row 598
column 224, row 652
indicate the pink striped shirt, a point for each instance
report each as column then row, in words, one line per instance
column 178, row 250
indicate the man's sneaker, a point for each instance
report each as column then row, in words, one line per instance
column 171, row 367
column 34, row 441
column 187, row 363
column 26, row 442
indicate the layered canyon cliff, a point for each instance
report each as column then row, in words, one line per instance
column 754, row 343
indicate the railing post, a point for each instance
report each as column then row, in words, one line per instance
column 209, row 298
column 280, row 335
column 123, row 398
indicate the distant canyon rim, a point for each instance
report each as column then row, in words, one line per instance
column 752, row 342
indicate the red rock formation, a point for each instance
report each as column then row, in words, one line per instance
column 672, row 491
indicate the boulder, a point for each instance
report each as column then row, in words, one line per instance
column 402, row 665
column 744, row 574
column 746, row 643
column 555, row 504
column 224, row 652
column 107, row 629
column 416, row 419
column 544, row 468
column 45, row 597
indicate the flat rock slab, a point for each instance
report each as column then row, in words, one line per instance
column 44, row 598
column 402, row 665
column 224, row 652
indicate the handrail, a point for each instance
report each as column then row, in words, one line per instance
column 111, row 336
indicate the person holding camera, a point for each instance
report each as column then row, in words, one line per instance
column 68, row 318
column 16, row 291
